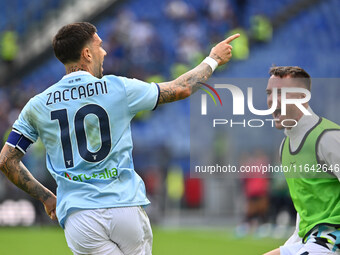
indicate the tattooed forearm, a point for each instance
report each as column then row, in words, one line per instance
column 184, row 85
column 16, row 172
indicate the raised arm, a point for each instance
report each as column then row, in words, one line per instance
column 189, row 82
column 16, row 172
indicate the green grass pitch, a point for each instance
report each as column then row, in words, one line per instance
column 51, row 240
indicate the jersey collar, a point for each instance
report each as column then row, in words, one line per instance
column 304, row 124
column 76, row 74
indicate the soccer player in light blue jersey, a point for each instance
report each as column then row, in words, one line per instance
column 84, row 123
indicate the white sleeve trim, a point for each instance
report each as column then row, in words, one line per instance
column 10, row 144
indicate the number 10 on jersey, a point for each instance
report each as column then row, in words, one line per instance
column 80, row 134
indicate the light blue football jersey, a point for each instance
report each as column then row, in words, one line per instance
column 84, row 124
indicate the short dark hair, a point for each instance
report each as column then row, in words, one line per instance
column 292, row 71
column 71, row 39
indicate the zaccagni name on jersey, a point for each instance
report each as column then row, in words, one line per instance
column 77, row 92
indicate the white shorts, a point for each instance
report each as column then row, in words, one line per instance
column 114, row 231
column 311, row 247
column 305, row 249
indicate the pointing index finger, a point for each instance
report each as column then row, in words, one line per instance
column 231, row 38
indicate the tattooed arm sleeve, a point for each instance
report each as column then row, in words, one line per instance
column 16, row 172
column 184, row 85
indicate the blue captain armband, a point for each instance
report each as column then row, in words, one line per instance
column 19, row 141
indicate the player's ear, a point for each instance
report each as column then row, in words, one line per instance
column 86, row 54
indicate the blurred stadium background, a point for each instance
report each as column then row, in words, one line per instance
column 157, row 41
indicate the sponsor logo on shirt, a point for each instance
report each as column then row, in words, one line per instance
column 103, row 175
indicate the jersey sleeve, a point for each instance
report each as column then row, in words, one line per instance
column 295, row 238
column 141, row 95
column 24, row 124
column 328, row 150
